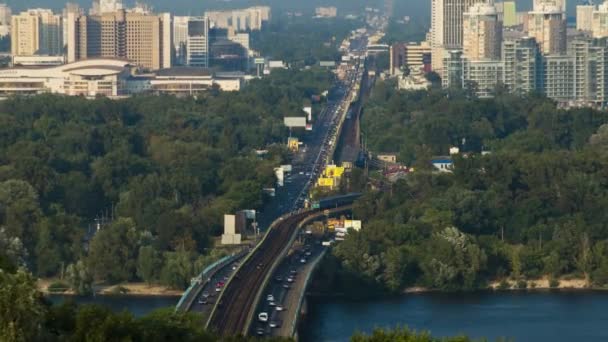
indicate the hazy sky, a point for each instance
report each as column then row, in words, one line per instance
column 411, row 7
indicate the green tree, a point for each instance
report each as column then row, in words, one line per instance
column 21, row 309
column 148, row 264
column 112, row 252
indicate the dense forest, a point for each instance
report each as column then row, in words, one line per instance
column 162, row 170
column 303, row 41
column 531, row 207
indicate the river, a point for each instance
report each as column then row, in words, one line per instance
column 521, row 316
column 137, row 305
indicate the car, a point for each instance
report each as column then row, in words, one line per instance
column 225, row 279
column 263, row 317
column 203, row 301
column 293, row 271
column 218, row 289
column 303, row 260
column 270, row 298
column 205, row 294
column 272, row 303
column 260, row 331
column 259, row 266
column 220, row 284
column 279, row 308
column 286, row 286
column 290, row 280
column 278, row 278
column 274, row 324
column 308, row 253
column 235, row 266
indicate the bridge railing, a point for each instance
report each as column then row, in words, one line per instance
column 251, row 253
column 296, row 318
column 278, row 261
column 193, row 291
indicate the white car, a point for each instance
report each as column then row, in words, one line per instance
column 273, row 324
column 270, row 298
column 279, row 308
column 263, row 317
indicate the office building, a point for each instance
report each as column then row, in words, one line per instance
column 5, row 20
column 547, row 24
column 180, row 38
column 103, row 77
column 522, row 65
column 143, row 39
column 446, row 27
column 397, row 58
column 112, row 78
column 228, row 50
column 197, row 46
column 249, row 19
column 70, row 7
column 36, row 32
column 482, row 33
column 584, row 17
column 599, row 25
column 410, row 56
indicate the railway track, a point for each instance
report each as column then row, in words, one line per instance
column 238, row 298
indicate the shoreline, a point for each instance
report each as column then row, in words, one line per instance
column 130, row 290
column 535, row 285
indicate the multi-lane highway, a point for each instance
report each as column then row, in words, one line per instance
column 234, row 308
column 232, row 311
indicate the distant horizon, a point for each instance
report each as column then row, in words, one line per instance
column 195, row 7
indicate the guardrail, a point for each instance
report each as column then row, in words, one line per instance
column 296, row 318
column 278, row 260
column 261, row 242
column 195, row 287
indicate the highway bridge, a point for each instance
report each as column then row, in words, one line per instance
column 234, row 310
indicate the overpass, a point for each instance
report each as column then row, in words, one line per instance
column 234, row 311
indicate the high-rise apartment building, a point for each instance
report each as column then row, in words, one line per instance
column 482, row 77
column 144, row 39
column 599, row 24
column 522, row 65
column 5, row 20
column 446, row 27
column 482, row 33
column 547, row 24
column 558, row 77
column 249, row 19
column 509, row 13
column 36, row 32
column 584, row 17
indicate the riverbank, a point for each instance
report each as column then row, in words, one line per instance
column 126, row 289
column 532, row 284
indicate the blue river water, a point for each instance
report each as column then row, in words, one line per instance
column 137, row 305
column 519, row 316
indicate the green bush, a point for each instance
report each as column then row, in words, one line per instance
column 58, row 287
column 504, row 285
column 119, row 290
column 522, row 284
column 553, row 283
